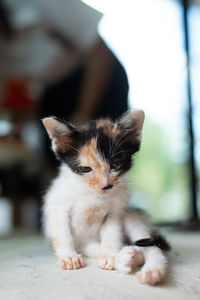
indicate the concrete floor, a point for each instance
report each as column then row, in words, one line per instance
column 28, row 270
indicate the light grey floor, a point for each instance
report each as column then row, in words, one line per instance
column 28, row 271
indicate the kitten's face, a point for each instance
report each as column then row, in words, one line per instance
column 98, row 151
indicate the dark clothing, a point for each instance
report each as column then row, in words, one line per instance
column 61, row 99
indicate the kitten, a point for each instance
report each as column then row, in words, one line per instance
column 85, row 209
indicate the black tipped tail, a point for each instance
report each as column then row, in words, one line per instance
column 157, row 240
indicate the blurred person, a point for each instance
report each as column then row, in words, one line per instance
column 57, row 45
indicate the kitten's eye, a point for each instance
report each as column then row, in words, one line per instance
column 81, row 170
column 85, row 169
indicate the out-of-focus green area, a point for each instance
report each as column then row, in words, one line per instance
column 159, row 183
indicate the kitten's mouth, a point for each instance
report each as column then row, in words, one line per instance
column 104, row 192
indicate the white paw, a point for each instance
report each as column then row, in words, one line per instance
column 151, row 276
column 107, row 262
column 129, row 258
column 72, row 262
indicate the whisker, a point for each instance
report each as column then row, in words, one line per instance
column 112, row 143
column 120, row 152
column 124, row 180
column 119, row 143
column 122, row 184
column 68, row 145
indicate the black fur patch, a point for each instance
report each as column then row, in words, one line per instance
column 157, row 240
column 117, row 151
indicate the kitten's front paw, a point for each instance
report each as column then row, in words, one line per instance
column 107, row 262
column 129, row 258
column 71, row 262
column 151, row 276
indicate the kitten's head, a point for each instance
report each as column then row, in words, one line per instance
column 99, row 151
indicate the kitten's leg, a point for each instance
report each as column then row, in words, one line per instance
column 129, row 258
column 132, row 256
column 57, row 225
column 155, row 265
column 111, row 242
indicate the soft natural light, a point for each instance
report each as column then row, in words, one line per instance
column 147, row 37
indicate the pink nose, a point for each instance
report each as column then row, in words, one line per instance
column 105, row 188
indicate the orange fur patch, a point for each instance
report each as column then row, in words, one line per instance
column 55, row 243
column 94, row 181
column 93, row 214
column 109, row 128
column 107, row 262
column 100, row 176
column 89, row 157
column 115, row 179
column 151, row 277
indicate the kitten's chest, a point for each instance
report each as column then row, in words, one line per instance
column 89, row 215
column 94, row 214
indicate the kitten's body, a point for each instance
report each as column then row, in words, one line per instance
column 87, row 214
column 86, row 208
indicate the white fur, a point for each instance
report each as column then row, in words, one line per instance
column 64, row 218
column 129, row 258
column 65, row 206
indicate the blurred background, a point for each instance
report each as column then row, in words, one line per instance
column 86, row 59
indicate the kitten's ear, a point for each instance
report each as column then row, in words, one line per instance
column 132, row 123
column 61, row 134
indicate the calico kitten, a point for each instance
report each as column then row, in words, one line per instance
column 85, row 209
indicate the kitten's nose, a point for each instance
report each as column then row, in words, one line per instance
column 107, row 187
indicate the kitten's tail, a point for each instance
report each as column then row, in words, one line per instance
column 156, row 240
